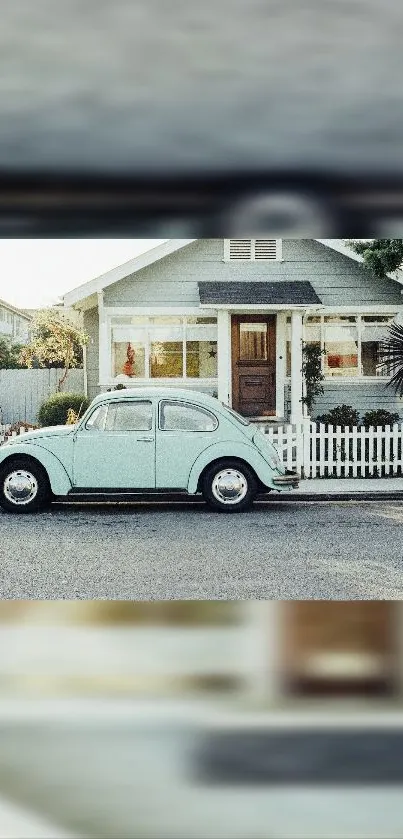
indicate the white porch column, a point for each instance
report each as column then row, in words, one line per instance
column 224, row 357
column 104, row 355
column 261, row 650
column 281, row 366
column 296, row 367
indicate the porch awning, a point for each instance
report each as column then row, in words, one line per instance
column 298, row 293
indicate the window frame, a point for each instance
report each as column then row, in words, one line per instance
column 84, row 426
column 359, row 325
column 186, row 403
column 186, row 316
column 122, row 401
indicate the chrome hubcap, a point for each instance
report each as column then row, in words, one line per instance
column 229, row 486
column 20, row 487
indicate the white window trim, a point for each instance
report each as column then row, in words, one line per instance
column 107, row 380
column 279, row 252
column 154, row 311
column 347, row 312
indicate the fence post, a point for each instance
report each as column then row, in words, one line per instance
column 306, row 446
column 299, row 447
column 396, row 461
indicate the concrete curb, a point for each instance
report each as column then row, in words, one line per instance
column 334, row 496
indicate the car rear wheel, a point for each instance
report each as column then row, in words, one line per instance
column 24, row 487
column 229, row 487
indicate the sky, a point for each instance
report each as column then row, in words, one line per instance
column 37, row 272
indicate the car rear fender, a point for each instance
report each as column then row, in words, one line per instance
column 58, row 477
column 241, row 451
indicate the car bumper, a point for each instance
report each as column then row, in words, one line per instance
column 288, row 481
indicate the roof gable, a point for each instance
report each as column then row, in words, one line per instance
column 98, row 284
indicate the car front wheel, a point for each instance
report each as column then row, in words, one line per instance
column 24, row 487
column 229, row 487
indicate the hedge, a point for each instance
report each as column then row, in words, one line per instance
column 54, row 410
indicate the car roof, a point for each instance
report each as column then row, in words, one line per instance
column 156, row 393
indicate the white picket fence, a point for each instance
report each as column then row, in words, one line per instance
column 334, row 451
column 319, row 451
column 5, row 433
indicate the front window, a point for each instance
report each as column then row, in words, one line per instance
column 164, row 348
column 182, row 416
column 341, row 347
column 96, row 421
column 351, row 344
column 121, row 416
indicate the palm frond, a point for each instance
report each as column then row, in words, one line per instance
column 391, row 356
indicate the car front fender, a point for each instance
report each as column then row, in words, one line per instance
column 58, row 477
column 241, row 451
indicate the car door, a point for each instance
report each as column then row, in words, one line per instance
column 184, row 431
column 116, row 447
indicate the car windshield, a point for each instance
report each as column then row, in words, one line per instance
column 237, row 416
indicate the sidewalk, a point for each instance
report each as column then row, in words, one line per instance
column 344, row 489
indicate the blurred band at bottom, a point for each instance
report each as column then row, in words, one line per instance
column 204, row 718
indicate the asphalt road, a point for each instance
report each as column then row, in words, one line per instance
column 335, row 550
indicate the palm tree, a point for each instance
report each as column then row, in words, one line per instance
column 391, row 356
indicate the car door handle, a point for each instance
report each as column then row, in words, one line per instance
column 145, row 439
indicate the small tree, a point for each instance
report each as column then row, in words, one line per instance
column 56, row 342
column 10, row 355
column 312, row 373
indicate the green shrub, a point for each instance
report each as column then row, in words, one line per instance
column 340, row 415
column 54, row 410
column 379, row 417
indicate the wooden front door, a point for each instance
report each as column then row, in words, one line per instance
column 334, row 647
column 254, row 365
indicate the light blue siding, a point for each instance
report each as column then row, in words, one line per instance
column 91, row 327
column 361, row 396
column 338, row 280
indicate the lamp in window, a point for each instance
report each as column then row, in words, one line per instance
column 128, row 367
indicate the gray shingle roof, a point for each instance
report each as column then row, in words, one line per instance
column 279, row 293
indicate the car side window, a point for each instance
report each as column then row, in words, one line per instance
column 183, row 416
column 96, row 421
column 129, row 416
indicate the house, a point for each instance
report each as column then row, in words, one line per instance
column 14, row 323
column 229, row 316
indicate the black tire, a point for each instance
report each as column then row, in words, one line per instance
column 245, row 486
column 40, row 487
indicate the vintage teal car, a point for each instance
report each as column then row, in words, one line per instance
column 143, row 440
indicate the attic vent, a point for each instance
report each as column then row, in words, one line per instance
column 252, row 249
column 265, row 248
column 240, row 248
